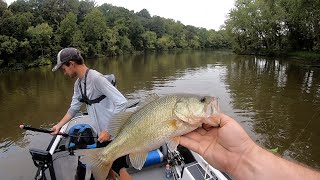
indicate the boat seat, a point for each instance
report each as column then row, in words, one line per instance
column 112, row 79
column 86, row 142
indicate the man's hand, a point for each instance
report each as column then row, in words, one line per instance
column 104, row 136
column 222, row 147
column 56, row 129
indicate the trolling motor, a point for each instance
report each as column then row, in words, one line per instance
column 42, row 160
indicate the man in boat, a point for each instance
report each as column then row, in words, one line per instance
column 102, row 99
column 229, row 149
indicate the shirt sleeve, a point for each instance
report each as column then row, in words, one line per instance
column 75, row 103
column 107, row 89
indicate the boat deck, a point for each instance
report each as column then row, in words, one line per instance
column 156, row 172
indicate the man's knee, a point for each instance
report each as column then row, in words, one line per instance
column 124, row 175
column 119, row 164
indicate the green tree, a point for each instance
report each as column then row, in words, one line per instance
column 144, row 13
column 53, row 11
column 94, row 27
column 34, row 29
column 157, row 25
column 273, row 27
column 8, row 47
column 165, row 42
column 195, row 42
column 242, row 26
column 149, row 40
column 177, row 31
column 3, row 7
column 77, row 41
column 40, row 37
column 68, row 27
column 16, row 24
column 85, row 7
column 21, row 6
column 135, row 34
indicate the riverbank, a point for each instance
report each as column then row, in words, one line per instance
column 312, row 57
column 19, row 66
column 48, row 61
column 305, row 55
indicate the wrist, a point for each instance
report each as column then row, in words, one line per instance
column 247, row 166
column 59, row 125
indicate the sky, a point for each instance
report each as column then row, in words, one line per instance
column 209, row 14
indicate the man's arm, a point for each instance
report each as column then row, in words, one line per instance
column 230, row 149
column 262, row 164
column 74, row 108
column 62, row 122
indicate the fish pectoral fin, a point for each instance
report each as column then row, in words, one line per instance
column 118, row 120
column 173, row 143
column 138, row 159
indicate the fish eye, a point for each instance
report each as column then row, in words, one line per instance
column 203, row 99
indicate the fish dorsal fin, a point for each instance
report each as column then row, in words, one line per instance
column 138, row 159
column 148, row 100
column 173, row 143
column 118, row 120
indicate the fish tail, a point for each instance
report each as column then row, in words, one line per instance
column 101, row 170
column 99, row 163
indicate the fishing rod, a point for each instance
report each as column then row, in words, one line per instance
column 28, row 127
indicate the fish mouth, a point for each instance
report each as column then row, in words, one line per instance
column 213, row 107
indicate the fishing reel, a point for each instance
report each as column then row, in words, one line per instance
column 177, row 163
column 175, row 158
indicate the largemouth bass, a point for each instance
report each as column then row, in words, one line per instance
column 160, row 120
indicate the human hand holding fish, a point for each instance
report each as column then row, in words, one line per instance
column 221, row 147
column 230, row 149
column 159, row 120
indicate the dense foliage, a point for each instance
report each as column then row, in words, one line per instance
column 33, row 31
column 275, row 27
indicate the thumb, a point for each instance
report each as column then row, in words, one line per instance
column 218, row 120
column 99, row 139
column 214, row 120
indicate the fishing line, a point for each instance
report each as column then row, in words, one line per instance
column 303, row 131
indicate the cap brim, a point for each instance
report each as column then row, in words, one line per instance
column 56, row 67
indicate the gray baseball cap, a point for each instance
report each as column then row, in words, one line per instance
column 66, row 55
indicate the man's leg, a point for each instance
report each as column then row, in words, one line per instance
column 124, row 175
column 119, row 166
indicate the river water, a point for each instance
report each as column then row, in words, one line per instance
column 275, row 100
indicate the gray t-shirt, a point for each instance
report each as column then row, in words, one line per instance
column 101, row 112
